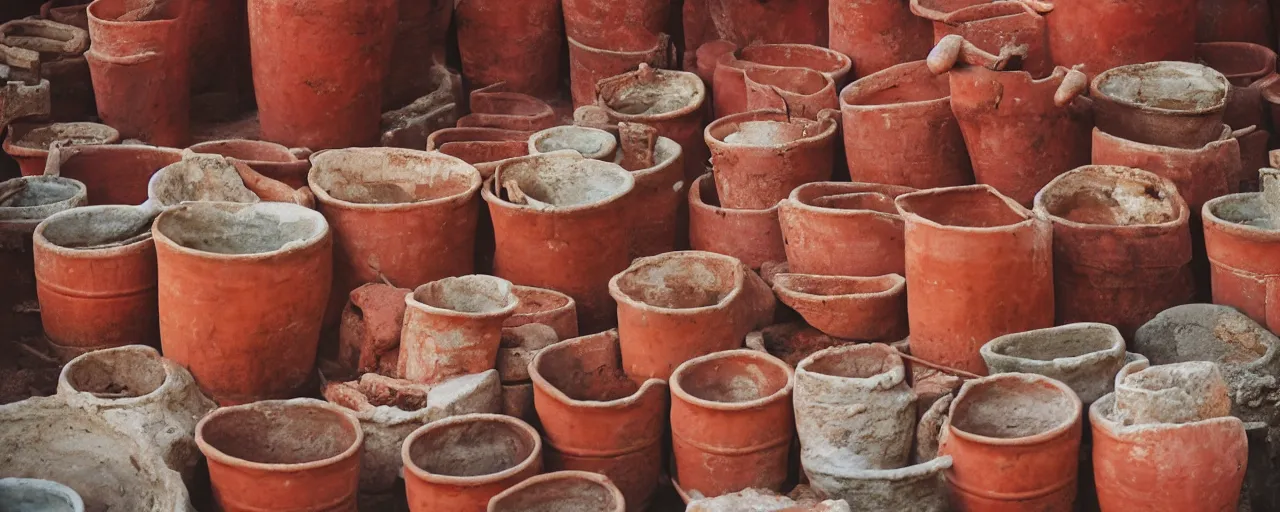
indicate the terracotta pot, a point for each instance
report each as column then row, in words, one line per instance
column 1248, row 68
column 1015, row 440
column 853, row 308
column 680, row 305
column 557, row 229
column 1132, row 33
column 1001, row 111
column 141, row 79
column 751, row 236
column 660, row 221
column 589, row 64
column 878, row 35
column 519, row 346
column 968, row 250
column 290, row 455
column 29, row 144
column 483, row 148
column 115, row 174
column 772, row 21
column 854, row 411
column 1240, row 236
column 1235, row 20
column 801, row 91
column 596, row 418
column 547, row 307
column 244, row 295
column 287, row 165
column 514, row 43
column 96, row 278
column 629, row 25
column 421, row 42
column 562, row 490
column 835, row 65
column 39, row 494
column 62, row 63
column 1084, row 356
column 1175, row 104
column 670, row 101
column 453, row 327
column 203, row 177
column 1197, row 463
column 778, row 64
column 899, row 129
column 592, row 143
column 70, row 12
column 759, row 157
column 27, row 201
column 401, row 215
column 460, row 463
column 1016, row 28
column 1200, row 174
column 731, row 422
column 497, row 106
column 843, row 229
column 1121, row 245
column 369, row 332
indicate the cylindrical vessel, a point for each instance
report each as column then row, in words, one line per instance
column 979, row 265
column 29, row 144
column 132, row 59
column 621, row 25
column 563, row 490
column 1015, row 440
column 1084, row 356
column 547, row 307
column 1121, row 32
column 96, row 278
column 1200, row 174
column 1175, row 104
column 589, row 64
column 759, row 157
column 31, row 199
column 460, row 463
column 42, row 495
column 244, row 295
column 1242, row 245
column 115, row 174
column 670, row 101
column 514, row 42
column 731, row 422
column 453, row 327
column 843, row 229
column 995, row 27
column 287, row 455
column 751, row 236
column 877, row 34
column 802, row 92
column 318, row 68
column 771, row 21
column 837, row 66
column 660, row 222
column 286, row 165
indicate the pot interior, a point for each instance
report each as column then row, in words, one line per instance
column 556, row 180
column 1172, row 393
column 119, row 373
column 224, row 228
column 69, row 134
column 1177, row 86
column 1057, row 343
column 1236, row 60
column 761, row 133
column 589, row 370
column 565, row 494
column 972, row 207
column 280, row 433
column 855, row 362
column 199, row 178
column 247, row 150
column 1010, row 409
column 30, row 495
column 792, row 342
column 833, row 286
column 36, row 192
column 896, row 85
column 98, row 227
column 390, row 177
column 468, row 294
column 1109, row 198
column 732, row 379
column 666, row 92
column 679, row 281
column 873, row 201
column 1251, row 210
column 788, row 55
column 802, row 81
column 584, row 140
column 537, row 300
column 471, row 448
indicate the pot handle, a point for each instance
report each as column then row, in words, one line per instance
column 954, row 49
column 1072, row 86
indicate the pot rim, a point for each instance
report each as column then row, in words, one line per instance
column 23, row 214
column 783, row 393
column 93, row 18
column 885, row 378
column 1101, row 422
column 534, row 458
column 472, row 134
column 569, row 305
column 672, row 149
column 220, row 457
column 10, row 146
column 1095, row 90
column 733, row 120
column 828, row 84
column 1253, row 233
column 44, row 244
column 971, row 13
column 284, row 150
column 411, row 301
column 795, row 198
column 541, row 383
column 1073, row 421
column 322, row 196
column 488, row 191
column 1268, row 68
column 1154, row 148
column 1029, row 216
column 47, row 487
column 846, row 63
column 697, row 203
column 872, row 83
column 695, row 102
column 1117, row 345
column 659, row 46
column 739, row 282
column 1131, row 173
column 898, row 287
column 322, row 237
column 610, row 142
column 88, row 397
column 595, row 478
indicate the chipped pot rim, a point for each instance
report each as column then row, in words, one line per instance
column 1100, row 80
column 797, row 198
column 885, row 79
column 1073, row 420
column 898, row 286
column 695, row 104
column 739, row 282
column 169, row 367
column 696, row 202
column 490, row 195
column 17, row 131
column 1253, row 233
column 540, row 383
column 893, row 376
column 1029, row 217
column 1100, row 418
column 596, row 479
column 783, row 393
column 828, row 124
column 533, row 459
column 145, row 240
column 474, row 179
column 569, row 304
column 294, row 159
column 221, row 457
column 1117, row 345
column 609, row 143
column 1134, row 174
column 317, row 238
column 661, row 42
column 846, row 63
column 513, row 301
column 33, row 215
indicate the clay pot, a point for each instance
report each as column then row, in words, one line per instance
column 514, row 43
column 772, row 21
column 519, row 345
column 116, row 174
column 731, row 422
column 557, row 229
column 680, row 305
column 405, row 216
column 751, row 236
column 133, row 388
column 461, row 462
column 289, row 166
column 596, row 418
column 1121, row 245
column 96, row 278
column 1015, row 440
column 1016, row 28
column 670, row 101
column 628, row 25
column 1235, row 20
column 369, row 332
column 1200, row 174
column 1131, row 33
column 835, row 65
column 781, row 65
column 854, row 411
column 968, row 251
column 26, row 202
column 899, row 129
column 62, row 63
column 32, row 495
column 592, row 143
column 483, row 148
column 843, row 229
column 203, row 177
column 759, row 157
column 295, row 455
column 244, row 295
column 547, row 307
column 801, row 91
column 562, row 490
column 589, row 64
column 70, row 12
column 140, row 61
column 29, row 144
column 1250, row 68
column 853, row 308
column 660, row 221
column 707, row 59
column 1175, row 104
column 421, row 42
column 453, row 327
column 1001, row 112
column 1240, row 237
column 878, row 35
column 1084, row 356
column 497, row 106
column 1194, row 462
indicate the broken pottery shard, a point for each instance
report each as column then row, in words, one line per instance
column 369, row 336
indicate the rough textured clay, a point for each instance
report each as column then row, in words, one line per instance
column 561, row 491
column 759, row 157
column 460, row 463
column 853, row 308
column 453, row 327
column 843, row 229
column 517, row 43
column 751, row 236
column 116, row 174
column 1175, row 104
column 35, row 495
column 29, row 144
column 1084, row 356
